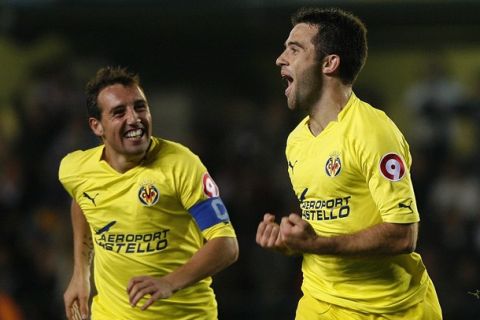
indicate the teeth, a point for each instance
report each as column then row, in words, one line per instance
column 134, row 133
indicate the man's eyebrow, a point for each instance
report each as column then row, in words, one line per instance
column 116, row 108
column 294, row 43
column 140, row 101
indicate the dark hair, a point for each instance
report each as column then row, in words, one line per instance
column 105, row 77
column 339, row 32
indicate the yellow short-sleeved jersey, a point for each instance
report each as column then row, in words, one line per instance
column 147, row 221
column 353, row 175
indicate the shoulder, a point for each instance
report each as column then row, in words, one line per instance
column 367, row 123
column 371, row 134
column 299, row 133
column 77, row 161
column 75, row 166
column 169, row 154
column 166, row 149
column 296, row 138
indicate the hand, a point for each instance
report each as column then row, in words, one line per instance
column 76, row 297
column 268, row 234
column 297, row 234
column 157, row 288
column 75, row 311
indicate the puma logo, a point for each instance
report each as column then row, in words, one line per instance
column 86, row 195
column 403, row 205
column 292, row 165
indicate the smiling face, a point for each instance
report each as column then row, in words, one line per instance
column 301, row 68
column 125, row 123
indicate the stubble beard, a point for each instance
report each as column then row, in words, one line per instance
column 305, row 99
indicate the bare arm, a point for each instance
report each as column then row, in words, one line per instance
column 78, row 291
column 383, row 238
column 214, row 256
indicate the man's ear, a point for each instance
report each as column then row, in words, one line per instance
column 331, row 64
column 96, row 126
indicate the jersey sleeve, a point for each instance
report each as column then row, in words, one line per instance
column 200, row 195
column 385, row 161
column 219, row 230
column 66, row 174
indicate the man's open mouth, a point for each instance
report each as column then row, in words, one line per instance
column 134, row 134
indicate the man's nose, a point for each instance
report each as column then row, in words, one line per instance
column 281, row 60
column 132, row 116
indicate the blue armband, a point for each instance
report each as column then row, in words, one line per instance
column 209, row 212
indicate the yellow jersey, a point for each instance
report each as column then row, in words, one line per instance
column 149, row 220
column 353, row 175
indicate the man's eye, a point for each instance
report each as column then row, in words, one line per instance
column 293, row 50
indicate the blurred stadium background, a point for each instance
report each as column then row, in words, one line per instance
column 208, row 69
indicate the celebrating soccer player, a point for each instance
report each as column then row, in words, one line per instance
column 146, row 210
column 350, row 168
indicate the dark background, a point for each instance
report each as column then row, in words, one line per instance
column 208, row 70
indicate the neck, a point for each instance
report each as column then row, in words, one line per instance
column 122, row 163
column 327, row 108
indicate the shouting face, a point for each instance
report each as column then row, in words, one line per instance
column 300, row 67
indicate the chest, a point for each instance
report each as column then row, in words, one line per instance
column 327, row 166
column 141, row 201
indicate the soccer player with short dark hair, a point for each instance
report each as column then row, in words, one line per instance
column 350, row 168
column 147, row 210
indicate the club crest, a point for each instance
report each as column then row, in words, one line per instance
column 148, row 194
column 333, row 165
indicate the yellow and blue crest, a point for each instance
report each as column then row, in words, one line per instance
column 148, row 194
column 333, row 165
